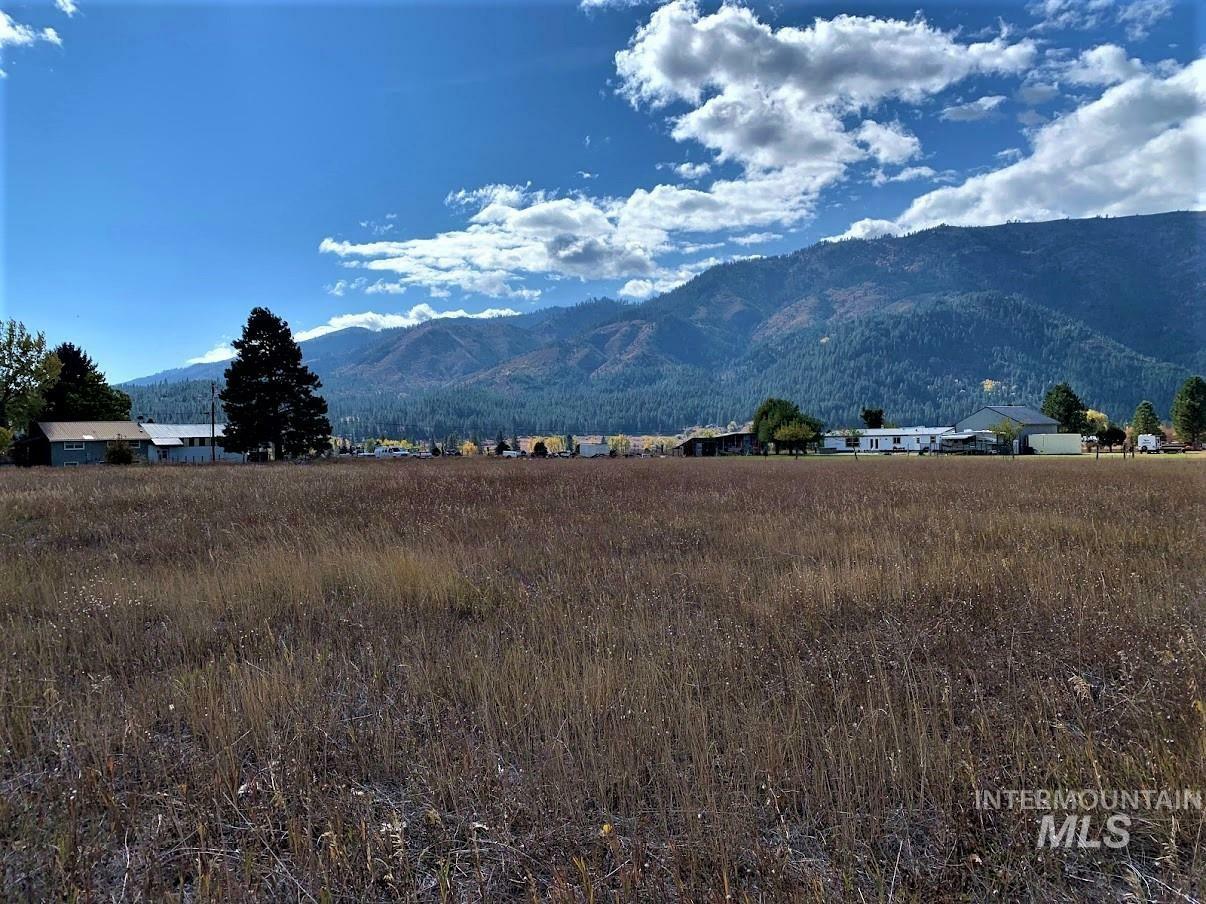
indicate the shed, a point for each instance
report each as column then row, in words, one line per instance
column 1028, row 421
column 188, row 443
column 737, row 442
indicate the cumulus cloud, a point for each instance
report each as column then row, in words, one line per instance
column 1106, row 64
column 371, row 320
column 689, row 171
column 220, row 352
column 67, row 7
column 1037, row 92
column 981, row 108
column 1137, row 149
column 16, row 34
column 791, row 108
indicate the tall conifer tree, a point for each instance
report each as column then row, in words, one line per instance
column 270, row 398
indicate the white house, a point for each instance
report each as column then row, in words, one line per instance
column 189, row 443
column 887, row 439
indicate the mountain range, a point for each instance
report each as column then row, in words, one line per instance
column 927, row 326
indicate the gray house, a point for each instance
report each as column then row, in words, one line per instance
column 1026, row 419
column 68, row 443
column 189, row 443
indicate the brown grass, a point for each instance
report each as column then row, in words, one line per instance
column 595, row 681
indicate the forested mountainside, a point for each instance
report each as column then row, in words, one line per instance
column 927, row 326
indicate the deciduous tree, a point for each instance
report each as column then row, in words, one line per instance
column 27, row 371
column 795, row 435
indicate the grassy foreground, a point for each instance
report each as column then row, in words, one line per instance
column 595, row 680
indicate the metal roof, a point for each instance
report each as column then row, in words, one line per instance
column 1023, row 414
column 89, row 431
column 894, row 431
column 164, row 434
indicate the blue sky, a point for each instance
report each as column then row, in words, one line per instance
column 168, row 166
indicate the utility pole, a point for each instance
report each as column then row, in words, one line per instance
column 213, row 416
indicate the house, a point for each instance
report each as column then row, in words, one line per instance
column 886, row 439
column 71, row 443
column 1027, row 420
column 738, row 442
column 187, row 443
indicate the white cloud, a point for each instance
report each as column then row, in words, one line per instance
column 586, row 176
column 981, row 108
column 1137, row 149
column 15, row 34
column 1106, row 64
column 890, row 143
column 774, row 102
column 371, row 320
column 912, row 174
column 1138, row 16
column 1035, row 93
column 691, row 172
column 67, row 7
column 220, row 352
column 756, row 238
column 591, row 5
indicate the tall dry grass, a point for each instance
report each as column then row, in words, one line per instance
column 592, row 681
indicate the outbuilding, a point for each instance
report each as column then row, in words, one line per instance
column 1026, row 420
column 188, row 443
column 738, row 442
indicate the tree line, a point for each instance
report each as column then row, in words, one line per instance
column 269, row 397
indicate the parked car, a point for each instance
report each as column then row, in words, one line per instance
column 512, row 453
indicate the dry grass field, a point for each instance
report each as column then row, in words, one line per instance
column 668, row 680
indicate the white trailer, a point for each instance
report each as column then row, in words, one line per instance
column 1054, row 443
column 593, row 450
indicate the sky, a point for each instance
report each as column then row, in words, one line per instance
column 167, row 166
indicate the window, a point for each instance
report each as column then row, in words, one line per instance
column 896, row 440
column 71, row 464
column 73, row 447
column 852, row 442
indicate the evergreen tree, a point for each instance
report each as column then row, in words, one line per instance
column 1189, row 410
column 81, row 392
column 873, row 418
column 1065, row 406
column 269, row 398
column 1146, row 420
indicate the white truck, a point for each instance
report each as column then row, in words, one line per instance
column 1149, row 442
